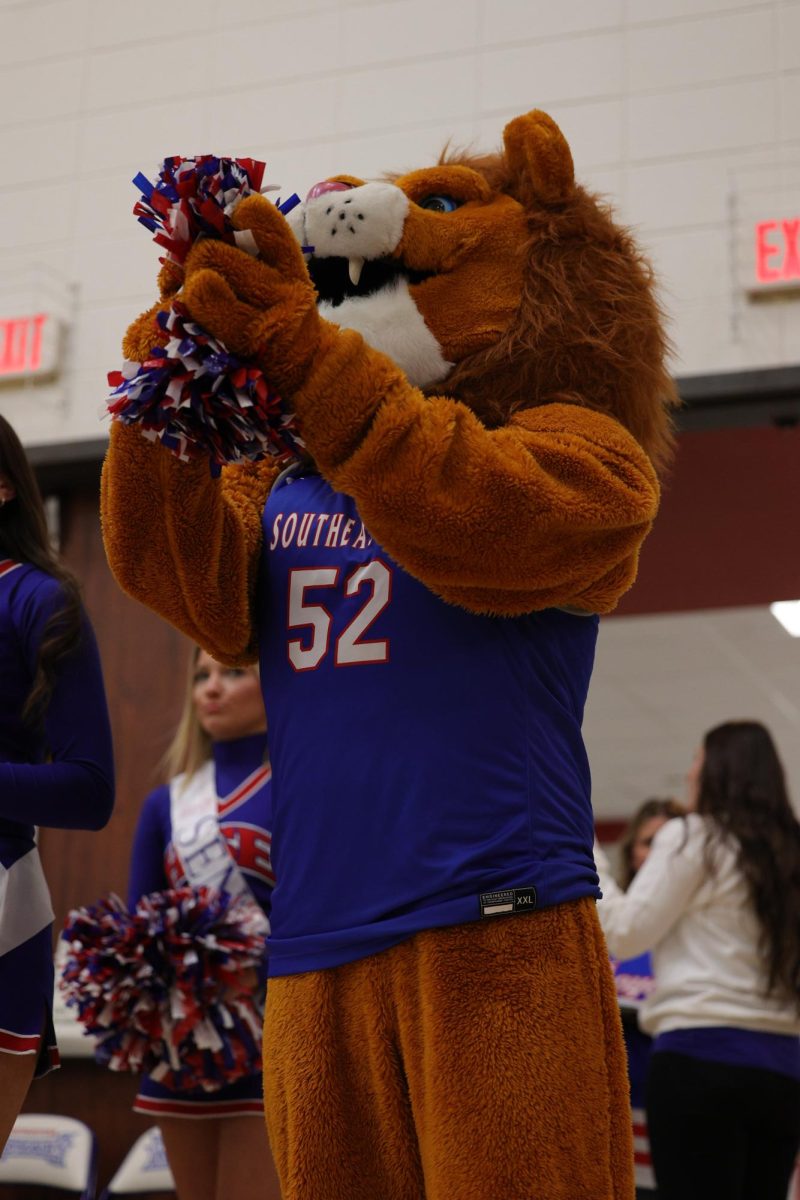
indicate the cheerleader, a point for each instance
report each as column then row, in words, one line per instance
column 56, row 765
column 212, row 820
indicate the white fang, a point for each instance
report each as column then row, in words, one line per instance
column 354, row 268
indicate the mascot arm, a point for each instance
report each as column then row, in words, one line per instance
column 184, row 544
column 550, row 509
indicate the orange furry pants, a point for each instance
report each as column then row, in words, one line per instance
column 475, row 1062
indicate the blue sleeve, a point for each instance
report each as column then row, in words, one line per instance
column 75, row 788
column 147, row 873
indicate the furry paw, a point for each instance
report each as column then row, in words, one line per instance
column 266, row 314
column 277, row 245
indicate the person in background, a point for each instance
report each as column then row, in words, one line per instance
column 56, row 762
column 718, row 904
column 634, row 976
column 218, row 757
column 642, row 828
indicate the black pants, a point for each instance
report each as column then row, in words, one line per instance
column 719, row 1132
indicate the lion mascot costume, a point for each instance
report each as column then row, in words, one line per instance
column 476, row 361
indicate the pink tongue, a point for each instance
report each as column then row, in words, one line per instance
column 327, row 185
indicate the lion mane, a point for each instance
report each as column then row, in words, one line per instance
column 589, row 329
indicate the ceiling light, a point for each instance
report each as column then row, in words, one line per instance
column 788, row 613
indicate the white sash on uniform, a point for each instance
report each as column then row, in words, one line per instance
column 25, row 907
column 203, row 852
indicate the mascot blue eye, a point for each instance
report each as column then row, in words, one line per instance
column 441, row 204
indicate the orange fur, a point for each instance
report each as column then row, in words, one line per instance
column 580, row 320
column 391, row 1077
column 183, row 543
column 587, row 328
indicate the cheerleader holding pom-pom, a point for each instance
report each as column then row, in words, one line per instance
column 174, row 983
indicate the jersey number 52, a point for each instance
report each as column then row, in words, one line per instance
column 350, row 648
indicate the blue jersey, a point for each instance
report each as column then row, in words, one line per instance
column 60, row 773
column 244, row 812
column 428, row 763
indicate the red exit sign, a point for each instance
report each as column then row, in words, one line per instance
column 28, row 345
column 778, row 253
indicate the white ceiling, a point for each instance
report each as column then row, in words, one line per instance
column 661, row 681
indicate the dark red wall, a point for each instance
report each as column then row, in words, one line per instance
column 728, row 533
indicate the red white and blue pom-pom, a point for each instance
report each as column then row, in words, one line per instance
column 197, row 196
column 200, row 400
column 195, row 396
column 160, row 988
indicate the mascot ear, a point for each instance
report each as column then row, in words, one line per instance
column 539, row 159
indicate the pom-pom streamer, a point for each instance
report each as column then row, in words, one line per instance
column 193, row 395
column 160, row 989
column 194, row 196
column 200, row 400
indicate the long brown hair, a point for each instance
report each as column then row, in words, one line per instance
column 24, row 538
column 742, row 787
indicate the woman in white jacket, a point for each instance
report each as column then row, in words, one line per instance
column 718, row 904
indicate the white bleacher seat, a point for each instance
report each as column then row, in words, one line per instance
column 51, row 1151
column 143, row 1170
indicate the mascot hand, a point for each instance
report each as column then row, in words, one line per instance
column 263, row 309
column 144, row 333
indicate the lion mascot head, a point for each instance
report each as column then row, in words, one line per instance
column 495, row 279
column 498, row 280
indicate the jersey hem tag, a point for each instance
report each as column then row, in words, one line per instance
column 508, row 901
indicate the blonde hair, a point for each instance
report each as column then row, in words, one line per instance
column 191, row 745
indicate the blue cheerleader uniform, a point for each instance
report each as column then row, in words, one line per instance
column 244, row 812
column 59, row 774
